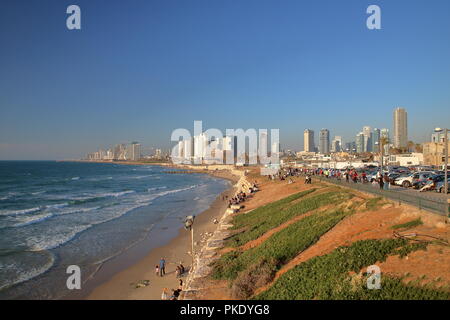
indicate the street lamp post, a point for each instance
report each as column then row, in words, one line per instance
column 189, row 225
column 445, row 157
column 446, row 160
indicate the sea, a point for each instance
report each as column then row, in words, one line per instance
column 57, row 214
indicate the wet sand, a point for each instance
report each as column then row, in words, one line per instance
column 109, row 283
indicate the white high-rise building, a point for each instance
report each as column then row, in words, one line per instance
column 337, row 144
column 308, row 141
column 400, row 128
column 367, row 132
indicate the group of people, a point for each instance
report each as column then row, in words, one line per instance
column 349, row 175
column 175, row 293
column 160, row 271
column 242, row 196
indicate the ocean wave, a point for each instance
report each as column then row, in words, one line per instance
column 75, row 178
column 27, row 220
column 38, row 192
column 117, row 194
column 156, row 188
column 46, row 242
column 25, row 275
column 57, row 206
column 19, row 212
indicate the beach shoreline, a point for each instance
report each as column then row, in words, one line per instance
column 116, row 278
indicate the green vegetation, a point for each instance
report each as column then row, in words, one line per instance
column 280, row 247
column 261, row 220
column 408, row 225
column 374, row 203
column 328, row 276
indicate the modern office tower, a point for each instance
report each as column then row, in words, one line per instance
column 263, row 146
column 337, row 144
column 187, row 149
column 275, row 148
column 132, row 152
column 376, row 140
column 200, row 147
column 360, row 142
column 400, row 128
column 308, row 141
column 367, row 132
column 229, row 146
column 324, row 141
column 350, row 146
column 119, row 152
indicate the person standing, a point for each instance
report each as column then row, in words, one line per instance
column 386, row 181
column 162, row 267
column 380, row 181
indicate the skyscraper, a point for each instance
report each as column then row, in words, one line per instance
column 324, row 141
column 400, row 128
column 367, row 139
column 376, row 140
column 337, row 144
column 308, row 141
column 360, row 142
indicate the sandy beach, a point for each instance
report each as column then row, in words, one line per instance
column 121, row 286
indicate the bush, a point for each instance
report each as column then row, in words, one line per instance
column 255, row 277
column 408, row 225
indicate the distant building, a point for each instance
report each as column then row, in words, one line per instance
column 376, row 140
column 337, row 144
column 324, row 141
column 400, row 128
column 439, row 136
column 367, row 132
column 433, row 153
column 406, row 160
column 308, row 141
column 350, row 147
column 360, row 142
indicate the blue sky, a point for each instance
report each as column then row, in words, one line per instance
column 139, row 69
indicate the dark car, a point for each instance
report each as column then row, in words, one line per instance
column 422, row 182
column 393, row 176
column 440, row 186
column 417, row 184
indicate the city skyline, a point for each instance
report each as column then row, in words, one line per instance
column 140, row 75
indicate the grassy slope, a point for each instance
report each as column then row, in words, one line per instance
column 281, row 247
column 261, row 220
column 328, row 276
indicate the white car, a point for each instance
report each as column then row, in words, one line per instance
column 407, row 181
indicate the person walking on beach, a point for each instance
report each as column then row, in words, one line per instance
column 157, row 269
column 162, row 267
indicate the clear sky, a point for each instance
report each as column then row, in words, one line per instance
column 139, row 69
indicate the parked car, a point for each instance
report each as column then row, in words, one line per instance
column 431, row 179
column 408, row 181
column 440, row 186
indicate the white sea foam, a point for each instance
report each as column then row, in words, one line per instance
column 75, row 178
column 27, row 220
column 115, row 194
column 39, row 242
column 18, row 212
column 156, row 188
column 25, row 275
